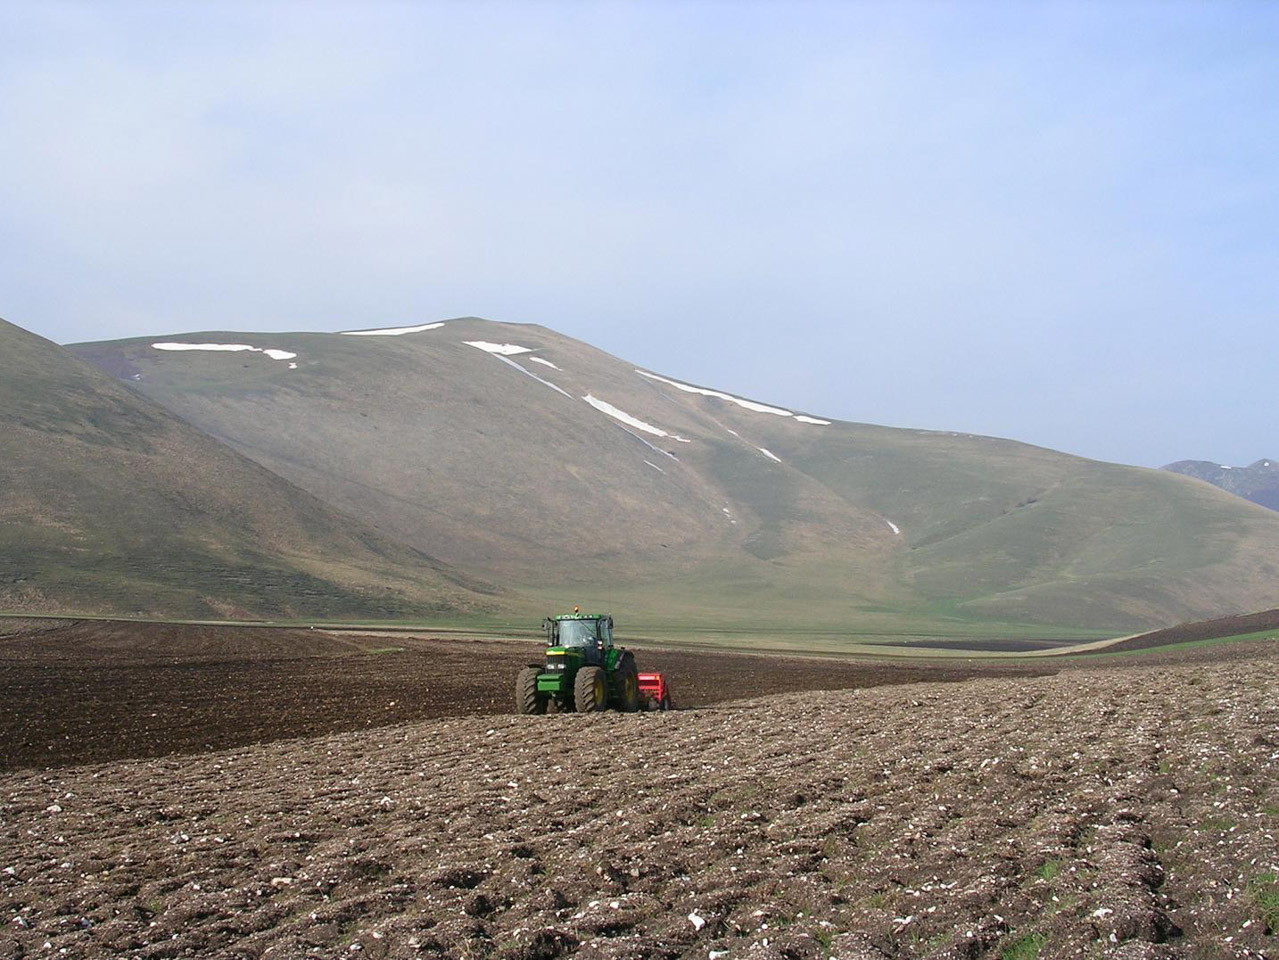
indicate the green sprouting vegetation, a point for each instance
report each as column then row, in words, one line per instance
column 1024, row 948
column 1263, row 890
column 1049, row 870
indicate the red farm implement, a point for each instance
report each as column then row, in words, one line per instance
column 654, row 691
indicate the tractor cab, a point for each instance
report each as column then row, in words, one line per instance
column 587, row 635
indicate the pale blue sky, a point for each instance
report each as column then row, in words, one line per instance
column 1052, row 222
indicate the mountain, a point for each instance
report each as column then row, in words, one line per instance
column 539, row 462
column 113, row 505
column 1258, row 482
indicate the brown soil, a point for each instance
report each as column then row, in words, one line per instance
column 1127, row 810
column 94, row 690
column 1203, row 630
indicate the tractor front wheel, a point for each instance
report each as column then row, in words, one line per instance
column 590, row 692
column 527, row 699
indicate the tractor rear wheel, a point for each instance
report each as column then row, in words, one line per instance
column 626, row 682
column 590, row 692
column 527, row 699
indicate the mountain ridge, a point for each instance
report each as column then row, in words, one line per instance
column 115, row 505
column 540, row 462
column 1258, row 482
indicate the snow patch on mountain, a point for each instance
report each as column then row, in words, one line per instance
column 897, row 531
column 746, row 404
column 603, row 406
column 769, row 454
column 545, row 363
column 801, row 418
column 271, row 352
column 655, row 449
column 502, row 349
column 529, row 373
column 391, row 331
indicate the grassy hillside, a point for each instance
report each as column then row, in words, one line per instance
column 566, row 473
column 111, row 504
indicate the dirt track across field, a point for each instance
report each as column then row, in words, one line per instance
column 94, row 690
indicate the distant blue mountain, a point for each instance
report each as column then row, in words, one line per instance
column 1258, row 482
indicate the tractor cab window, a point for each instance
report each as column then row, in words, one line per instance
column 578, row 633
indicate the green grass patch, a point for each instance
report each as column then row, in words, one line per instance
column 1184, row 645
column 1024, row 948
column 1049, row 870
column 1263, row 891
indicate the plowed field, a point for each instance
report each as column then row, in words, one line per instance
column 1125, row 810
column 89, row 691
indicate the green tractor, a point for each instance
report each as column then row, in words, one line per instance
column 582, row 672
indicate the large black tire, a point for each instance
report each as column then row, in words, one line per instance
column 590, row 692
column 626, row 685
column 527, row 699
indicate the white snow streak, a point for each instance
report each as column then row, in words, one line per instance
column 603, row 406
column 896, row 529
column 654, row 466
column 545, row 363
column 748, row 404
column 529, row 373
column 391, row 331
column 503, row 349
column 769, row 454
column 632, row 433
column 226, row 348
column 803, row 419
column 205, row 346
